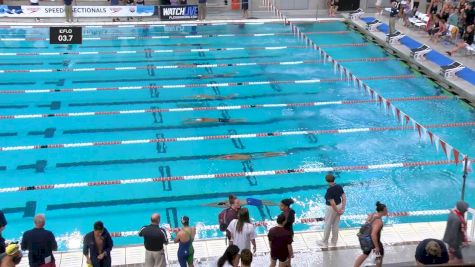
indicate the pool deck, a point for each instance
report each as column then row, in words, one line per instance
column 400, row 241
column 458, row 86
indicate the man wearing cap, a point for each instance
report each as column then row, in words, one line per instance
column 40, row 244
column 154, row 238
column 11, row 257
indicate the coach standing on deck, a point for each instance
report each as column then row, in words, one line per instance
column 202, row 9
column 68, row 9
column 154, row 239
column 40, row 244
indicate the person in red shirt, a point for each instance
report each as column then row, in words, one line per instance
column 280, row 242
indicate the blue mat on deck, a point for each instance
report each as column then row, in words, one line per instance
column 368, row 19
column 438, row 58
column 384, row 28
column 409, row 42
column 467, row 74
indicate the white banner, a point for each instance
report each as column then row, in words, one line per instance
column 78, row 11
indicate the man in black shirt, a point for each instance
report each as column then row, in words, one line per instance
column 393, row 17
column 3, row 223
column 154, row 239
column 335, row 199
column 40, row 244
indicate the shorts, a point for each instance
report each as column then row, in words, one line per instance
column 281, row 259
column 381, row 250
column 245, row 5
column 456, row 252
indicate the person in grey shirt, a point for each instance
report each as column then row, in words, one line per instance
column 456, row 232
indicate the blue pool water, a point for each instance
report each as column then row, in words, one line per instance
column 71, row 212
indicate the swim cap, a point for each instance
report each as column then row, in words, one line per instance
column 12, row 249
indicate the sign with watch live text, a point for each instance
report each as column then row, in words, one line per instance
column 65, row 35
column 179, row 12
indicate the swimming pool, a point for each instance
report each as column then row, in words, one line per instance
column 100, row 112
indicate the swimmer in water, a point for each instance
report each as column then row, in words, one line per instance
column 211, row 120
column 248, row 156
column 213, row 97
column 224, row 75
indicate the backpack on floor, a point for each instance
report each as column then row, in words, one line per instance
column 364, row 236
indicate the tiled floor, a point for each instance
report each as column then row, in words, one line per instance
column 399, row 240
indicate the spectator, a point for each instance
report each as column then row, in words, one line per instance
column 97, row 246
column 245, row 7
column 379, row 7
column 246, row 258
column 469, row 14
column 406, row 12
column 129, row 3
column 376, row 222
column 11, row 257
column 35, row 3
column 3, row 223
column 436, row 26
column 453, row 17
column 185, row 238
column 230, row 257
column 335, row 199
column 333, row 7
column 40, row 244
column 68, row 10
column 288, row 213
column 456, row 232
column 431, row 251
column 441, row 32
column 393, row 15
column 114, row 3
column 432, row 11
column 202, row 9
column 154, row 240
column 231, row 213
column 242, row 231
column 467, row 40
column 280, row 242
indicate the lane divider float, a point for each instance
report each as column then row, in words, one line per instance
column 227, row 175
column 176, row 86
column 230, row 107
column 227, row 136
column 311, row 221
column 153, row 37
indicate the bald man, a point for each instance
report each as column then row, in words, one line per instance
column 154, row 239
column 40, row 243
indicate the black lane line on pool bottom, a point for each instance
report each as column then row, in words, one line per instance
column 217, row 76
column 193, row 60
column 13, row 106
column 247, row 166
column 8, row 134
column 193, row 102
column 204, row 197
column 28, row 211
column 172, row 127
column 39, row 166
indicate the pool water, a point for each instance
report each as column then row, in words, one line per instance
column 71, row 212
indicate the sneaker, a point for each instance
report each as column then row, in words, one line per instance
column 322, row 244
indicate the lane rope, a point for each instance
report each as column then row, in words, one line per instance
column 152, row 37
column 228, row 136
column 311, row 221
column 171, row 51
column 176, row 86
column 230, row 107
column 190, row 66
column 227, row 175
